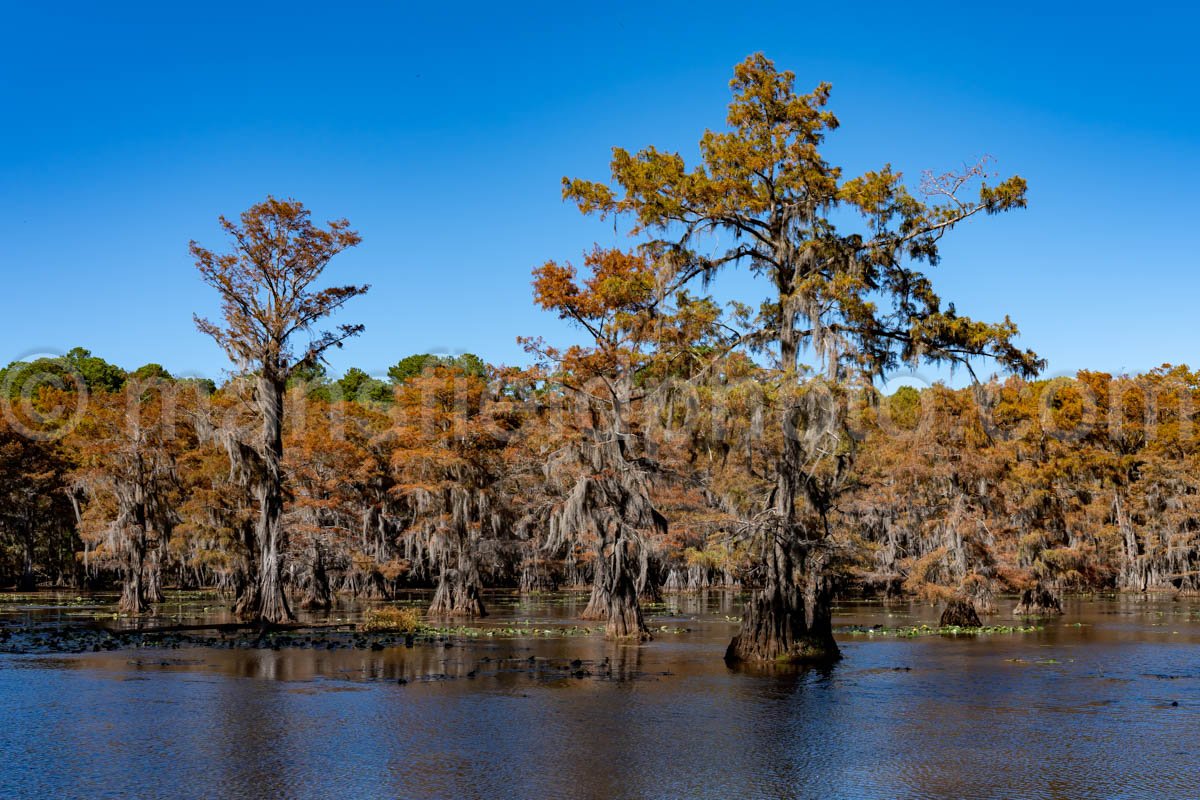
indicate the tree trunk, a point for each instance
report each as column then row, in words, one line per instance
column 28, row 581
column 133, row 596
column 960, row 612
column 790, row 616
column 624, row 611
column 244, row 586
column 318, row 597
column 264, row 599
column 535, row 577
column 273, row 602
column 457, row 595
column 153, row 591
column 597, row 607
column 674, row 583
column 648, row 590
column 785, row 621
column 1038, row 602
column 614, row 596
column 1133, row 568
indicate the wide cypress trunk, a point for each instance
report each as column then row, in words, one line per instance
column 613, row 504
column 790, row 614
column 960, row 612
column 648, row 590
column 597, row 607
column 1038, row 601
column 535, row 577
column 1132, row 576
column 614, row 597
column 133, row 597
column 457, row 594
column 272, row 603
column 790, row 617
column 153, row 571
column 264, row 599
column 318, row 596
column 674, row 583
column 245, row 579
column 625, row 619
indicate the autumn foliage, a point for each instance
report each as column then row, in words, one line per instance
column 670, row 443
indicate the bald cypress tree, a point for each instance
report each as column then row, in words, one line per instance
column 270, row 308
column 848, row 303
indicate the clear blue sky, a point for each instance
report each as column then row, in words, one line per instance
column 443, row 135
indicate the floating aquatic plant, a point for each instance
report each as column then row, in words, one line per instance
column 515, row 631
column 934, row 630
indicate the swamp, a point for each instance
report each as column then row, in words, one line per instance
column 709, row 402
column 535, row 703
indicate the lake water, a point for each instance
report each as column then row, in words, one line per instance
column 1104, row 703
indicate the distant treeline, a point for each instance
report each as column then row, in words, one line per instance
column 447, row 475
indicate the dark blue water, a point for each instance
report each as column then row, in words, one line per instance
column 1085, row 708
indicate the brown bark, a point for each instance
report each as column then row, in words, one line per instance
column 648, row 590
column 625, row 619
column 535, row 577
column 458, row 594
column 960, row 612
column 788, row 620
column 790, row 615
column 614, row 597
column 133, row 596
column 1133, row 567
column 264, row 599
column 153, row 571
column 597, row 607
column 1038, row 602
column 318, row 596
column 674, row 583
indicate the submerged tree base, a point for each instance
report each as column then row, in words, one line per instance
column 468, row 608
column 773, row 630
column 1038, row 602
column 960, row 613
column 615, row 602
column 597, row 607
column 254, row 608
column 458, row 594
column 805, row 650
column 316, row 604
column 785, row 622
column 627, row 624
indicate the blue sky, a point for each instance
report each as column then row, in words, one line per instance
column 443, row 135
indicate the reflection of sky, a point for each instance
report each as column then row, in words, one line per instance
column 1071, row 711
